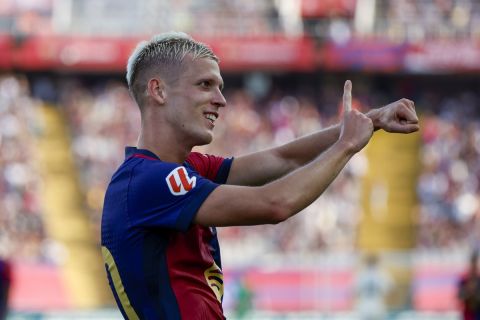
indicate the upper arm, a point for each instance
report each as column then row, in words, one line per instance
column 258, row 168
column 166, row 195
column 230, row 205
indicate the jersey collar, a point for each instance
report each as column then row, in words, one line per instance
column 143, row 153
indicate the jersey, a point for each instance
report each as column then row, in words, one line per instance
column 159, row 264
column 469, row 293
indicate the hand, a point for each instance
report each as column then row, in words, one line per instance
column 396, row 117
column 357, row 128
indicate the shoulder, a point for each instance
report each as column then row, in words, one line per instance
column 201, row 161
column 212, row 167
column 154, row 172
column 150, row 166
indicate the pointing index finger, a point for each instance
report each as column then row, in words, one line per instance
column 347, row 96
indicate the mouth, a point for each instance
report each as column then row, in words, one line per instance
column 211, row 116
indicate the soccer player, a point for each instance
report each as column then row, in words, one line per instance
column 468, row 290
column 5, row 284
column 162, row 205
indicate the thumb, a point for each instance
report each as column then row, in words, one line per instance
column 347, row 97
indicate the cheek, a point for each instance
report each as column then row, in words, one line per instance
column 182, row 118
column 175, row 116
column 197, row 98
column 183, row 111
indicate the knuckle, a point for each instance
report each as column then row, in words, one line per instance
column 409, row 103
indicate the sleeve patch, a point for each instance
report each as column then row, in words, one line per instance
column 178, row 181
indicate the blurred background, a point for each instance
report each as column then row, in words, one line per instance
column 391, row 237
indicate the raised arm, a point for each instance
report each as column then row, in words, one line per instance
column 267, row 165
column 276, row 201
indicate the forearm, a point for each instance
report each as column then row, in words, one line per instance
column 262, row 167
column 304, row 149
column 278, row 200
column 298, row 189
column 286, row 196
column 310, row 181
column 397, row 117
column 267, row 165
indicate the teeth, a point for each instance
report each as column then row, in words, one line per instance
column 211, row 117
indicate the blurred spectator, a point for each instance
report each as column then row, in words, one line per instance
column 400, row 21
column 5, row 282
column 449, row 183
column 22, row 235
column 103, row 119
column 26, row 17
column 417, row 21
column 372, row 286
column 112, row 17
column 243, row 299
column 469, row 290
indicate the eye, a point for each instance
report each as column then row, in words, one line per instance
column 205, row 84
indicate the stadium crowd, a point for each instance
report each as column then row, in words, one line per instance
column 208, row 17
column 449, row 184
column 401, row 21
column 418, row 21
column 103, row 119
column 22, row 234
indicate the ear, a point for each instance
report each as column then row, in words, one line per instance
column 156, row 90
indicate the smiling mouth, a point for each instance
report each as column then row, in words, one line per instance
column 211, row 117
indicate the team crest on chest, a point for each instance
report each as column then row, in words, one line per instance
column 179, row 182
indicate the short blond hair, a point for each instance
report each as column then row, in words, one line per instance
column 163, row 54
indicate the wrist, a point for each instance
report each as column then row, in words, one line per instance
column 345, row 147
column 374, row 115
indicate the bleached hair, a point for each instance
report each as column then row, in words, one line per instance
column 164, row 50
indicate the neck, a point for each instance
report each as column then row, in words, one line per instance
column 161, row 141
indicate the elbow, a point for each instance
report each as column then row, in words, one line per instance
column 274, row 204
column 279, row 211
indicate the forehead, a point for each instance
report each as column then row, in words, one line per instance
column 202, row 68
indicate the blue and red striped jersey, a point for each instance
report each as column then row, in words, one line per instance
column 159, row 264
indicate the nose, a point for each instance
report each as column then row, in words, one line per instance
column 219, row 100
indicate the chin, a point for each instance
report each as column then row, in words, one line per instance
column 204, row 142
column 204, row 139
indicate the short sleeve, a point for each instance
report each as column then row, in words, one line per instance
column 211, row 167
column 166, row 195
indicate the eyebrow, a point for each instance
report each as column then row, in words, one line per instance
column 215, row 80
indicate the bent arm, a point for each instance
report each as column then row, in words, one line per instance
column 276, row 201
column 230, row 205
column 264, row 166
column 261, row 167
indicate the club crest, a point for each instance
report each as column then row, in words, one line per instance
column 214, row 277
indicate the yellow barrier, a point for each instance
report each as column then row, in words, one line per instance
column 64, row 218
